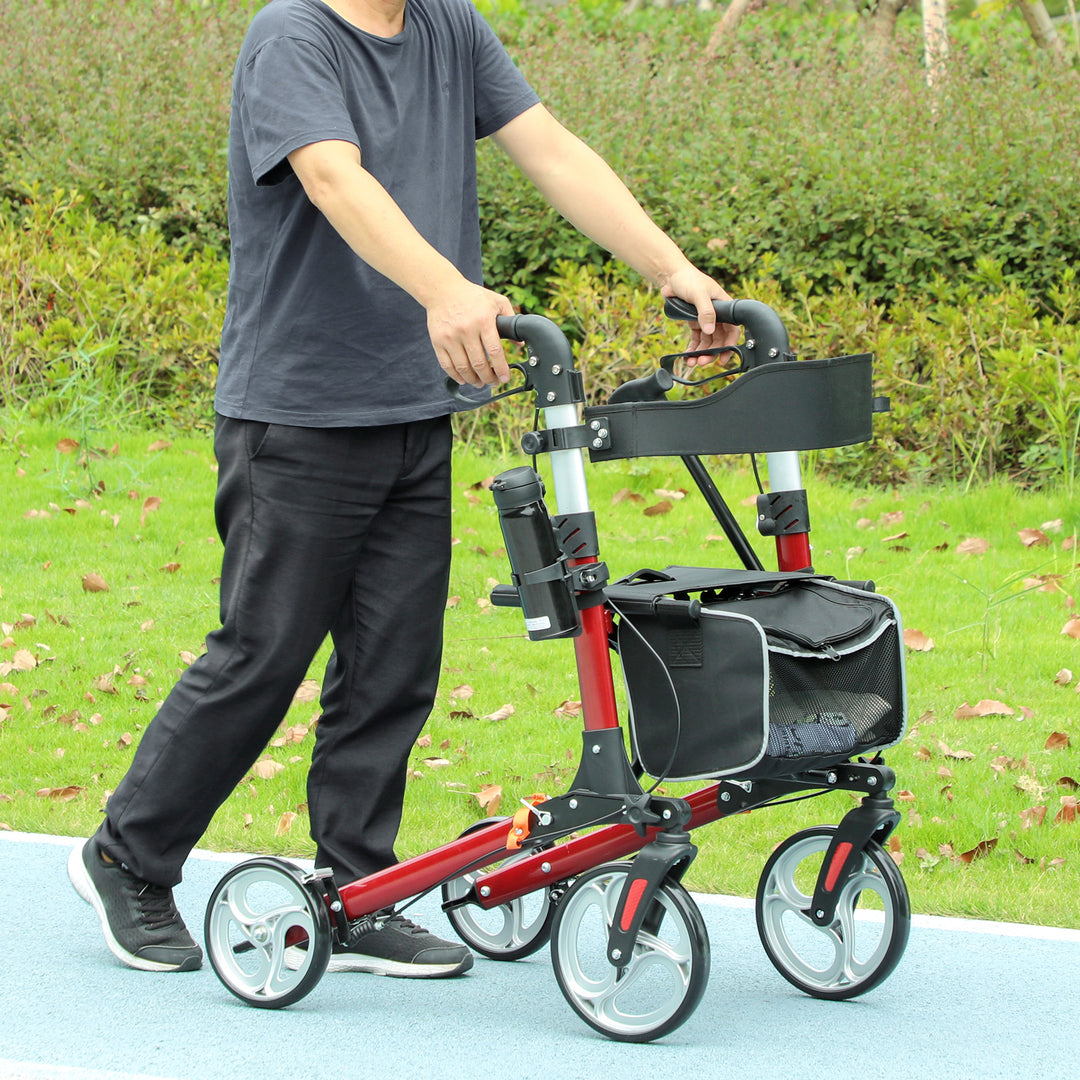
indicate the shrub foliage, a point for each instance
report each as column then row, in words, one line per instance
column 936, row 227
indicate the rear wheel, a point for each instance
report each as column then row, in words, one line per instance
column 258, row 911
column 507, row 931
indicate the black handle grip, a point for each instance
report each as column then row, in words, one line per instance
column 542, row 338
column 652, row 387
column 766, row 336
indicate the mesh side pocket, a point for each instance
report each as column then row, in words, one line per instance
column 862, row 689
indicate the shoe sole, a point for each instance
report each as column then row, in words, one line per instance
column 394, row 969
column 84, row 886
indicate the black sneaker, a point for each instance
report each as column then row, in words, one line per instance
column 395, row 947
column 142, row 927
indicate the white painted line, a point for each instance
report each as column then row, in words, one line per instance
column 28, row 1070
column 930, row 922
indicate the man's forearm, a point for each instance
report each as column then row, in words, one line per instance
column 370, row 221
column 588, row 193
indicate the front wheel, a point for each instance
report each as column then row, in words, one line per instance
column 662, row 983
column 866, row 938
column 268, row 932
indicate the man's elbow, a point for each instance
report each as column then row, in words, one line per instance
column 323, row 169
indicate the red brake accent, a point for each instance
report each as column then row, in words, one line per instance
column 633, row 898
column 842, row 851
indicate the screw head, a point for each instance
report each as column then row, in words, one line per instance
column 551, row 395
column 820, row 914
column 597, row 444
column 485, row 890
column 725, row 796
column 545, row 867
column 616, row 954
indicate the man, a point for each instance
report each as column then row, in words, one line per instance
column 354, row 279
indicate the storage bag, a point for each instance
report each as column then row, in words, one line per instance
column 737, row 672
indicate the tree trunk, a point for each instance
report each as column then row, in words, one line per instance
column 881, row 28
column 936, row 39
column 728, row 24
column 1042, row 27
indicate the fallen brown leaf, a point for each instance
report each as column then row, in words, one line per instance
column 1033, row 538
column 94, row 583
column 917, row 641
column 981, row 849
column 973, row 545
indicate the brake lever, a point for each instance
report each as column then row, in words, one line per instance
column 668, row 363
column 454, row 390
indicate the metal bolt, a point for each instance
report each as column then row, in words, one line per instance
column 750, row 343
column 773, row 353
column 336, row 905
column 533, row 361
column 603, row 433
column 573, row 804
column 556, row 369
column 871, row 781
column 831, row 778
column 616, row 954
column 545, row 867
column 819, row 914
column 551, row 395
column 725, row 796
column 595, row 749
column 598, row 444
column 485, row 890
column 595, row 425
column 667, row 815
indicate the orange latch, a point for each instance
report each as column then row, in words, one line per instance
column 521, row 825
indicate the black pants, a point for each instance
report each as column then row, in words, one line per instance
column 340, row 531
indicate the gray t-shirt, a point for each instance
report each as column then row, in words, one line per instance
column 313, row 336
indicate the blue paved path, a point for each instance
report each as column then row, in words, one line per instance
column 968, row 1000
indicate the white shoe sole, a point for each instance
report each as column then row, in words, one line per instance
column 80, row 878
column 395, row 969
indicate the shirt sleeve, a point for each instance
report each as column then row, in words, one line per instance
column 291, row 95
column 501, row 91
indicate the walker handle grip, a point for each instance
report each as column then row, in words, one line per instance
column 766, row 336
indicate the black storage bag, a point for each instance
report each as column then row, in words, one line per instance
column 753, row 674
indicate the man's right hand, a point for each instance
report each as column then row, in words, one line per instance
column 461, row 324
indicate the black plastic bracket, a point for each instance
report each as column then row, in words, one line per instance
column 874, row 819
column 783, row 513
column 594, row 435
column 666, row 857
column 604, row 768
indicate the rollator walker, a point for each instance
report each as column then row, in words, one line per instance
column 767, row 685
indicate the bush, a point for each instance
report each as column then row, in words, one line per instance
column 100, row 321
column 797, row 143
column 984, row 382
column 809, row 148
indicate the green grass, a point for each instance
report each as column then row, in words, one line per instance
column 102, row 660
